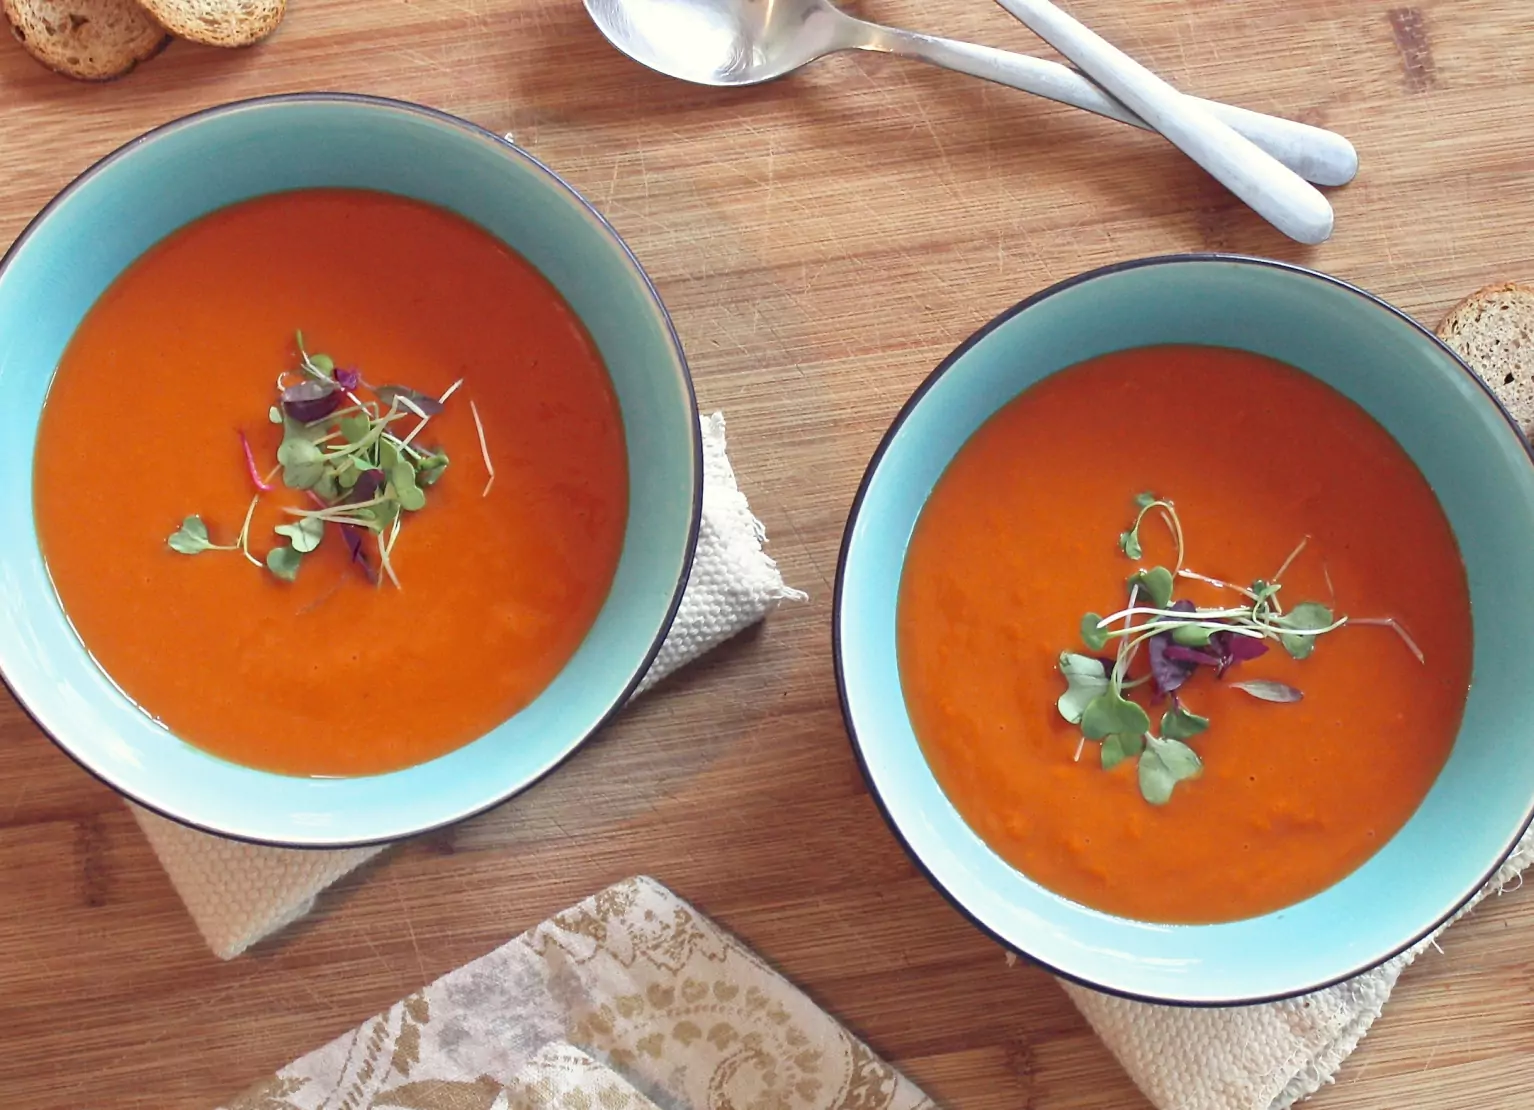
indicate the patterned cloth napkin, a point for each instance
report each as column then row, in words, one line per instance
column 632, row 994
column 238, row 893
column 562, row 1077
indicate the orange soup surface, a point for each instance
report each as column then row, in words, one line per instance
column 1020, row 539
column 329, row 675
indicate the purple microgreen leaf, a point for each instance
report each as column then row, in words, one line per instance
column 1233, row 648
column 369, row 482
column 428, row 404
column 1264, row 690
column 1181, row 654
column 353, row 537
column 349, row 377
column 310, row 400
column 1167, row 673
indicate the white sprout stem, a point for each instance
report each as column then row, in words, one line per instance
column 1081, row 743
column 394, row 532
column 374, row 434
column 243, row 543
column 383, row 561
column 405, row 445
column 1171, row 626
column 1120, row 664
column 1293, row 555
column 1184, row 572
column 1280, row 630
column 1400, row 630
column 483, row 449
column 1196, row 615
column 1327, row 575
column 1169, row 514
column 333, row 512
column 409, row 403
column 425, row 419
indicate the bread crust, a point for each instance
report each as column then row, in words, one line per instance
column 1493, row 331
column 226, row 23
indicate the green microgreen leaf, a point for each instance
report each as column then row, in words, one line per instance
column 388, row 456
column 306, row 533
column 1263, row 592
column 274, row 414
column 347, row 474
column 403, row 479
column 1094, row 636
column 1179, row 724
column 1303, row 621
column 1164, row 764
column 355, row 427
column 284, row 562
column 323, row 363
column 431, row 469
column 1192, row 635
column 1111, row 713
column 1085, row 679
column 191, row 538
column 1129, row 543
column 302, row 462
column 1264, row 690
column 384, row 512
column 1121, row 746
column 1155, row 585
column 1144, row 500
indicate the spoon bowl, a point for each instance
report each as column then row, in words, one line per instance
column 722, row 42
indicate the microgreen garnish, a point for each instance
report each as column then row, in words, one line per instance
column 1181, row 638
column 483, row 450
column 355, row 457
column 192, row 538
column 1264, row 690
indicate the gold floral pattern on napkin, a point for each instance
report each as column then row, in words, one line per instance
column 635, row 978
column 562, row 1077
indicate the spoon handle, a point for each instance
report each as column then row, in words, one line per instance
column 1314, row 153
column 1273, row 190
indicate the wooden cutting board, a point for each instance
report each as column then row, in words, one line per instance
column 822, row 243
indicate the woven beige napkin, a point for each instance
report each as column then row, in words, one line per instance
column 1255, row 1057
column 238, row 893
column 635, row 979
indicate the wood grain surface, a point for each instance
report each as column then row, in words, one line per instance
column 822, row 243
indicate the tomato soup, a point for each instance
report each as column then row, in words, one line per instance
column 1020, row 538
column 329, row 674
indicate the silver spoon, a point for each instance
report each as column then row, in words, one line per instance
column 746, row 42
column 1271, row 189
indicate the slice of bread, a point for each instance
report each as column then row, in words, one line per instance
column 1493, row 331
column 94, row 40
column 219, row 22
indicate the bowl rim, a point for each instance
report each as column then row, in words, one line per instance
column 927, row 383
column 509, row 149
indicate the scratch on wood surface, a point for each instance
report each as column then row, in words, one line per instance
column 21, row 796
column 1408, row 27
column 409, row 926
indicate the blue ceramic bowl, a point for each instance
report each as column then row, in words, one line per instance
column 1480, row 468
column 154, row 185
